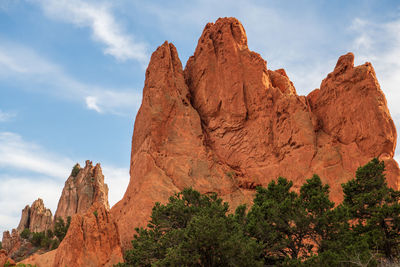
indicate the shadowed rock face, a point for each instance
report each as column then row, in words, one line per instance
column 227, row 124
column 82, row 190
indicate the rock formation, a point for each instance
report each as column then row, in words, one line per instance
column 11, row 242
column 81, row 190
column 5, row 259
column 92, row 240
column 39, row 260
column 36, row 218
column 227, row 124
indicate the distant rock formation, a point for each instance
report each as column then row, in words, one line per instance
column 36, row 218
column 84, row 190
column 11, row 242
column 226, row 124
column 81, row 190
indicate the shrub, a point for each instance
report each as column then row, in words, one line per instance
column 25, row 234
column 60, row 228
column 37, row 238
column 75, row 170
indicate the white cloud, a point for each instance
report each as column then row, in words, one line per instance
column 18, row 191
column 6, row 116
column 29, row 171
column 117, row 180
column 99, row 18
column 18, row 154
column 91, row 102
column 23, row 65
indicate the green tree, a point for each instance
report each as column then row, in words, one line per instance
column 37, row 238
column 374, row 209
column 75, row 170
column 194, row 230
column 25, row 234
column 290, row 224
column 60, row 228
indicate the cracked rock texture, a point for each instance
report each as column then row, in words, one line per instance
column 36, row 218
column 82, row 190
column 92, row 240
column 226, row 124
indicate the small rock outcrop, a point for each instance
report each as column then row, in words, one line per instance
column 4, row 259
column 84, row 187
column 92, row 240
column 227, row 123
column 11, row 242
column 36, row 218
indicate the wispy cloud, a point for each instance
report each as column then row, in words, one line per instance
column 97, row 16
column 26, row 165
column 21, row 64
column 6, row 116
column 18, row 154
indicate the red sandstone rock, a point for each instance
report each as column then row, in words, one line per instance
column 40, row 260
column 92, row 240
column 80, row 192
column 227, row 124
column 5, row 259
column 11, row 242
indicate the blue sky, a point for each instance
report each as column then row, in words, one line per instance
column 72, row 73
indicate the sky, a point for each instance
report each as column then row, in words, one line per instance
column 72, row 74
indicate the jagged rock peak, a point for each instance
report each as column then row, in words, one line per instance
column 36, row 218
column 11, row 242
column 229, row 124
column 84, row 187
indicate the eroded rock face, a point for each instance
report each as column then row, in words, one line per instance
column 11, row 242
column 227, row 124
column 82, row 190
column 36, row 218
column 5, row 259
column 92, row 240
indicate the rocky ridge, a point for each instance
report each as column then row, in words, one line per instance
column 226, row 123
column 83, row 195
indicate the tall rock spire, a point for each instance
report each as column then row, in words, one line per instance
column 84, row 187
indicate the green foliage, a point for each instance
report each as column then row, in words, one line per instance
column 285, row 222
column 25, row 265
column 60, row 228
column 75, row 170
column 25, row 234
column 50, row 234
column 54, row 243
column 193, row 230
column 374, row 209
column 282, row 228
column 1, row 245
column 37, row 238
column 231, row 174
column 95, row 213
